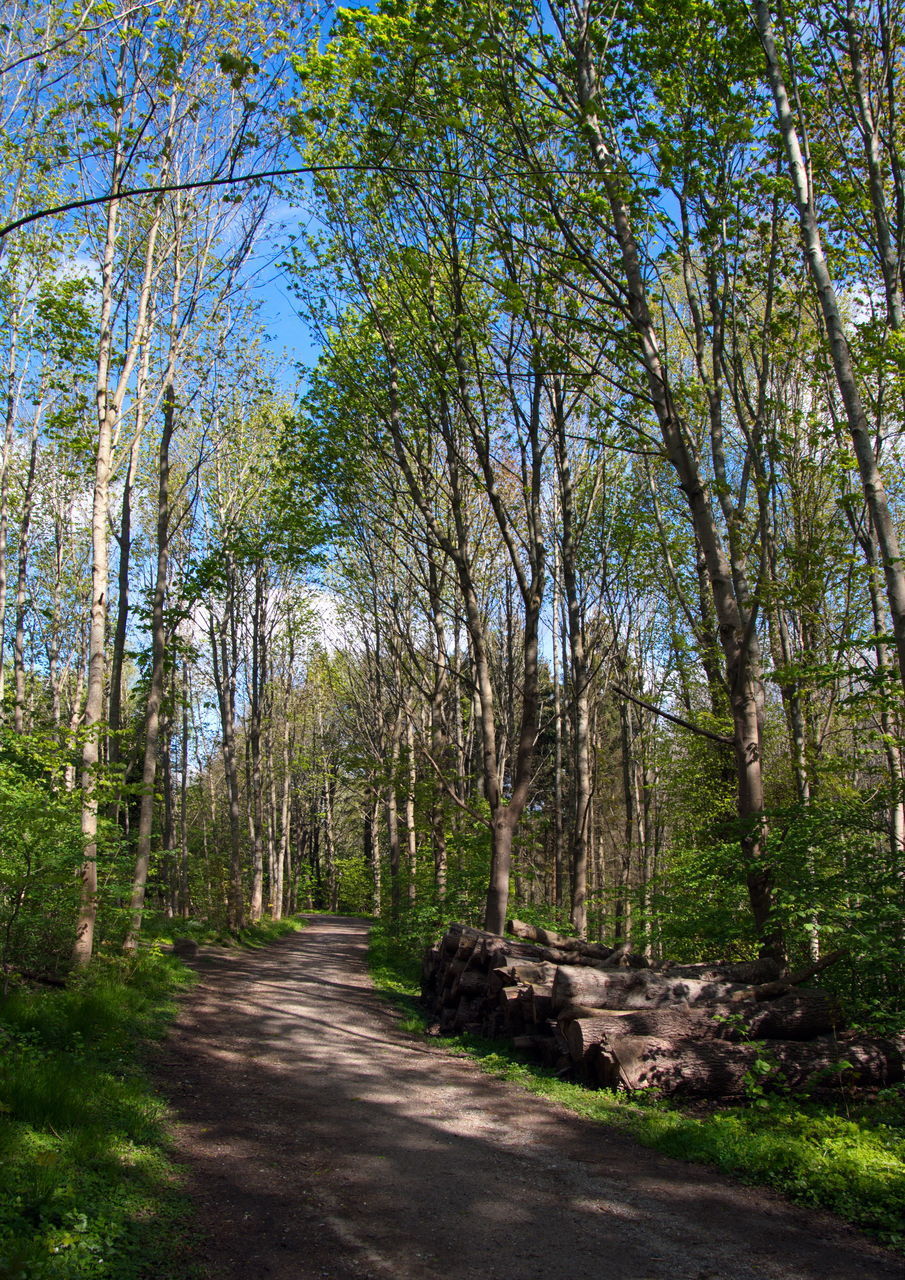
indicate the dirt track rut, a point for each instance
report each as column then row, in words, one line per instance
column 321, row 1140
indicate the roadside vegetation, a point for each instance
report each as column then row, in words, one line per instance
column 559, row 574
column 843, row 1153
column 87, row 1183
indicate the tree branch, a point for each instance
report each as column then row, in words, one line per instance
column 667, row 715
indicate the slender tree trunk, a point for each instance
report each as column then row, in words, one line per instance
column 76, row 713
column 840, row 352
column 185, row 901
column 8, row 438
column 374, row 824
column 224, row 679
column 283, row 856
column 22, row 582
column 158, row 675
column 272, row 813
column 168, row 825
column 557, row 740
column 738, row 634
column 109, row 408
column 439, row 735
column 410, row 829
column 392, row 815
column 254, row 742
column 580, row 683
column 887, row 250
column 94, row 707
column 114, row 714
column 891, row 735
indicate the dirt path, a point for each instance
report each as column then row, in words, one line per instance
column 321, row 1140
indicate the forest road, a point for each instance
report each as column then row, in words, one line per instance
column 322, row 1140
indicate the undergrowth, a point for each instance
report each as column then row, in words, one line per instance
column 165, row 929
column 87, row 1187
column 847, row 1157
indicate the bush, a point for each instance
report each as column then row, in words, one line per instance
column 40, row 853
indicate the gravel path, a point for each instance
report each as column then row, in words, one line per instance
column 321, row 1140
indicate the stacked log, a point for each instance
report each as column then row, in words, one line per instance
column 605, row 1017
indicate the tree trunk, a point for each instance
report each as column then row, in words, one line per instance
column 639, row 989
column 840, row 352
column 22, row 582
column 255, row 798
column 185, row 901
column 795, row 1017
column 114, row 713
column 738, row 635
column 410, row 829
column 158, row 675
column 109, row 408
column 707, row 1068
column 8, row 439
column 224, row 680
column 392, row 815
column 581, row 761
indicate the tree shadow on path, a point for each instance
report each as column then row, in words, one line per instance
column 321, row 1140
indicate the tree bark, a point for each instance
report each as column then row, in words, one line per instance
column 736, row 622
column 22, row 582
column 158, row 675
column 840, row 352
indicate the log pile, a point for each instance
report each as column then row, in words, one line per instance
column 603, row 1016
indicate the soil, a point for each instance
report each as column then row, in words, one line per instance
column 322, row 1140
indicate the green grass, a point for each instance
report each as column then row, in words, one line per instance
column 88, row 1190
column 847, row 1158
column 163, row 929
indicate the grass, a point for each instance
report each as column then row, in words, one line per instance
column 848, row 1157
column 163, row 929
column 88, row 1190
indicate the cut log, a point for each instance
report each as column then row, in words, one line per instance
column 472, row 982
column 624, row 958
column 468, row 1011
column 512, row 1005
column 449, row 943
column 492, row 1024
column 547, row 938
column 750, row 972
column 691, row 1068
column 513, row 952
column 634, row 989
column 541, row 1002
column 573, row 1011
column 526, row 971
column 715, row 1069
column 795, row 1017
column 600, row 1069
column 857, row 1060
column 574, row 985
column 770, row 990
column 461, row 939
column 430, row 962
column 583, row 1034
column 800, row 1015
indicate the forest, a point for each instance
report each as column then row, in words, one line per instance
column 452, row 472
column 557, row 575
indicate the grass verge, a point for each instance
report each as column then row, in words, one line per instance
column 163, row 929
column 848, row 1158
column 87, row 1187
